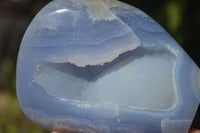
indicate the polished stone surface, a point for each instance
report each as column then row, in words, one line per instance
column 104, row 66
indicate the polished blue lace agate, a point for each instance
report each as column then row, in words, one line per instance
column 102, row 66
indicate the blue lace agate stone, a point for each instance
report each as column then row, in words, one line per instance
column 102, row 66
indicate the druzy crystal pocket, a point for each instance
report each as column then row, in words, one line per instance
column 104, row 66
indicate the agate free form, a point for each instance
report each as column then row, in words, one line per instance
column 102, row 66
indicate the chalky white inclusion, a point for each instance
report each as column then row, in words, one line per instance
column 146, row 82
